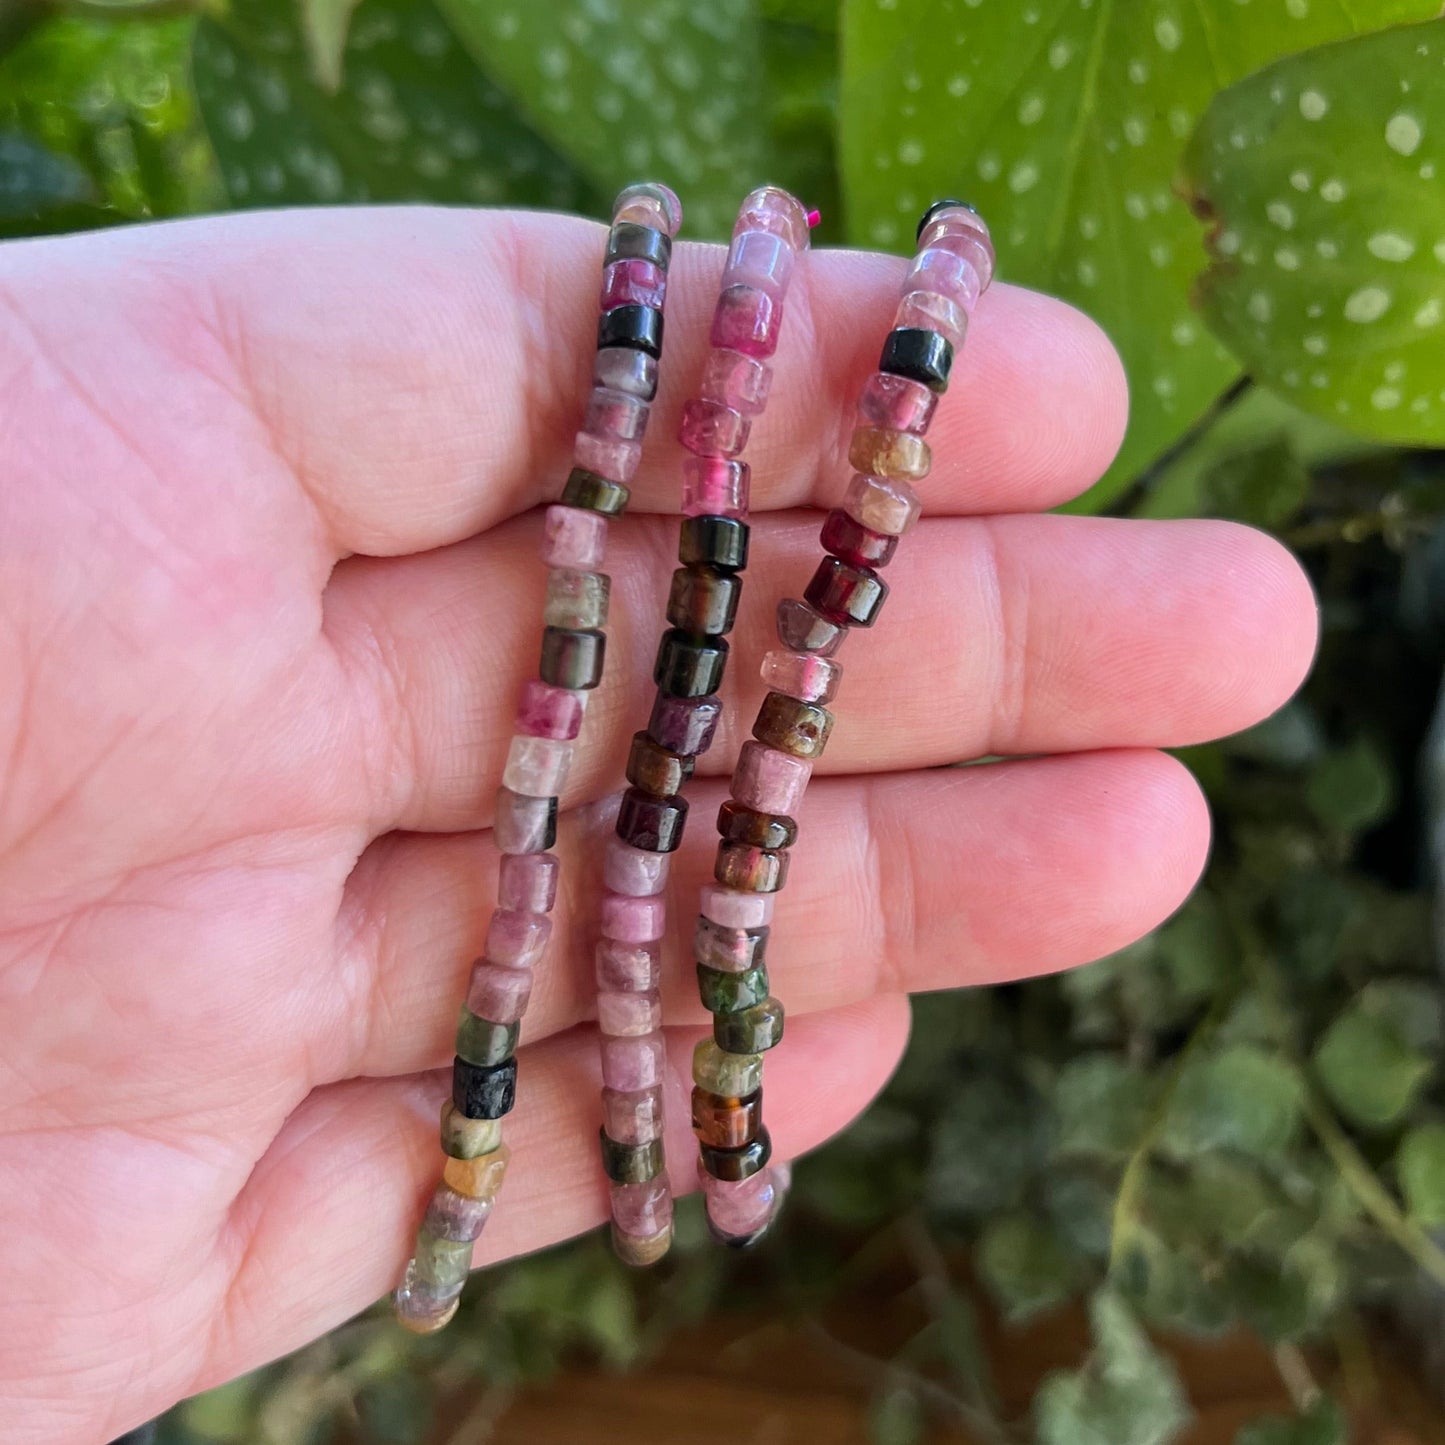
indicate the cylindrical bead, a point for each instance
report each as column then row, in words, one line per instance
column 881, row 505
column 537, row 767
column 850, row 596
column 636, row 871
column 629, row 241
column 479, row 1178
column 689, row 666
column 627, row 967
column 736, row 380
column 768, row 780
column 726, row 1123
column 750, row 869
column 747, row 319
column 737, row 824
column 898, row 403
column 735, row 950
column 715, row 487
column 633, row 281
column 464, row 1138
column 630, row 1163
column 619, row 368
column 855, row 543
column 481, row 1041
column 523, row 825
column 576, row 599
column 802, row 629
column 572, row 658
column 703, row 601
column 573, row 536
column 499, row 992
column 624, row 1015
column 720, row 1072
column 633, row 1063
column 717, row 541
column 898, row 455
column 735, row 908
column 723, row 991
column 455, row 1216
column 791, row 726
column 639, row 327
column 655, row 824
column 684, row 725
column 517, row 939
column 589, row 492
column 656, row 770
column 527, row 882
column 711, row 429
column 544, row 711
column 740, row 1163
column 751, row 1030
column 635, row 1118
column 484, row 1093
column 803, row 675
column 633, row 920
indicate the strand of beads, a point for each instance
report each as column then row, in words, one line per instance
column 645, row 218
column 771, row 229
column 953, row 265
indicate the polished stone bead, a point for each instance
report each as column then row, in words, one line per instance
column 480, row 1041
column 881, row 505
column 758, row 258
column 710, row 429
column 735, row 380
column 576, row 599
column 854, row 542
column 749, row 869
column 726, row 1123
column 897, row 455
column 628, row 241
column 747, row 319
column 517, row 939
column 464, row 1138
column 572, row 658
column 655, row 824
column 442, row 1264
column 640, row 1251
column 803, row 675
column 703, row 601
column 725, row 992
column 634, row 1118
column 639, row 327
column 635, row 871
column 802, row 629
column 573, row 537
column 544, row 711
column 623, row 1015
column 716, row 945
column 921, row 354
column 719, row 1072
column 499, row 992
column 740, row 1210
column 537, row 767
column 935, row 209
column 942, row 271
column 632, row 281
column 734, row 908
column 630, row 1163
column 479, row 1178
column 733, row 1165
column 689, row 666
column 751, row 1030
column 799, row 728
column 453, row 1215
column 632, row 920
column 850, row 596
column 684, row 725
column 484, row 1093
column 769, row 781
column 527, row 882
column 619, row 368
column 718, row 541
column 655, row 769
column 607, row 457
column 642, row 1209
column 737, row 824
column 715, row 487
column 897, row 403
column 634, row 1062
column 933, row 315
column 615, row 416
column 776, row 211
column 588, row 492
column 648, row 203
column 523, row 825
column 420, row 1309
column 627, row 967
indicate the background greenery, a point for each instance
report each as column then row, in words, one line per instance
column 1241, row 1119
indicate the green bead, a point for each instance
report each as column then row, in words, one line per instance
column 732, row 1075
column 481, row 1042
column 725, row 993
column 464, row 1138
column 442, row 1262
column 593, row 493
column 630, row 1163
column 751, row 1030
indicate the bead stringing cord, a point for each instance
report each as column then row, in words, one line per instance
column 771, row 230
column 645, row 218
column 952, row 267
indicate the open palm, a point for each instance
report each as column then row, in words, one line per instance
column 268, row 586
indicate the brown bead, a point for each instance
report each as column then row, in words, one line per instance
column 641, row 1250
column 654, row 769
column 738, row 824
column 898, row 456
column 791, row 726
column 734, row 1165
column 752, row 870
column 478, row 1178
column 726, row 1123
column 703, row 601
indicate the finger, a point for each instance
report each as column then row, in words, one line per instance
column 898, row 883
column 1004, row 635
column 424, row 371
column 332, row 1209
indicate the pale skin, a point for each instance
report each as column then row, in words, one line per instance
column 268, row 587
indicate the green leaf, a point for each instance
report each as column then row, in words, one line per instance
column 33, row 180
column 1239, row 1098
column 1025, row 1265
column 227, row 1413
column 667, row 91
column 987, row 1145
column 1323, row 1424
column 1064, row 123
column 325, row 23
column 1368, row 1068
column 1421, row 1167
column 413, row 119
column 1103, row 1105
column 1352, row 787
column 1318, row 178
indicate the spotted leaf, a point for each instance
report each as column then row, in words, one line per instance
column 1064, row 121
column 1323, row 182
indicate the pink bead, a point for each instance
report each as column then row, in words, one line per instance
column 615, row 460
column 649, row 203
column 769, row 781
column 573, row 537
column 544, row 711
column 772, row 209
column 710, row 429
column 932, row 312
column 642, row 1210
column 715, row 487
column 733, row 908
column 633, row 871
column 803, row 675
column 627, row 967
column 968, row 241
column 633, row 282
column 620, row 368
column 747, row 320
column 739, row 1207
column 632, row 1118
column 615, row 415
column 537, row 767
column 756, row 258
column 896, row 402
column 735, row 380
column 527, row 882
column 517, row 939
column 941, row 271
column 499, row 993
column 633, row 920
column 882, row 506
column 626, row 1015
column 630, row 1064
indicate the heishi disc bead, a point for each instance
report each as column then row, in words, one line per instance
column 802, row 629
column 630, row 1163
column 633, row 920
column 619, row 368
column 648, row 203
column 625, row 1015
column 499, row 992
column 747, row 319
column 749, row 869
column 850, row 596
column 656, row 824
column 703, row 600
column 898, row 455
column 640, row 1251
column 576, row 599
column 920, row 353
column 803, row 675
column 741, row 382
column 418, row 1309
column 791, row 726
column 715, row 945
column 726, row 1123
column 738, row 1211
column 932, row 314
column 718, row 541
column 615, row 415
column 527, row 882
column 710, row 429
column 634, row 1062
column 639, row 327
column 573, row 537
column 484, row 1093
column 854, row 542
column 633, row 281
column 897, row 403
column 464, row 1138
column 537, row 767
column 734, row 908
column 442, row 1264
column 715, row 487
column 737, row 824
column 634, row 1118
column 689, row 666
column 774, row 210
column 629, row 240
column 881, row 505
column 453, row 1215
column 626, row 967
column 516, row 939
column 586, row 491
column 655, row 769
column 725, row 992
column 606, row 456
column 635, row 871
column 941, row 271
column 734, row 1165
column 481, row 1041
column 544, row 711
column 572, row 658
column 684, row 725
column 479, row 1178
column 642, row 1209
column 758, row 258
column 966, row 243
column 768, row 780
column 752, row 1030
column 523, row 825
column 719, row 1072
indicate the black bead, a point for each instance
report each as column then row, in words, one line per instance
column 627, row 241
column 935, row 208
column 593, row 493
column 655, row 824
column 703, row 600
column 630, row 1163
column 689, row 666
column 572, row 658
column 481, row 1092
column 737, row 1164
column 715, row 541
column 918, row 354
column 639, row 327
column 737, row 824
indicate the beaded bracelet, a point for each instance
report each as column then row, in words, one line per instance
column 771, row 229
column 953, row 265
column 645, row 218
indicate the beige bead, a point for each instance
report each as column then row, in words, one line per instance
column 464, row 1138
column 897, row 455
column 641, row 1250
column 428, row 1324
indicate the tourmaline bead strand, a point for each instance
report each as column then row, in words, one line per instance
column 702, row 603
column 548, row 721
column 952, row 268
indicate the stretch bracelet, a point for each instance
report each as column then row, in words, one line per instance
column 645, row 218
column 771, row 230
column 953, row 265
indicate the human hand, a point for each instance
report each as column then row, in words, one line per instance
column 269, row 585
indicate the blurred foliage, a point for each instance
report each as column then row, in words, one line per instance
column 1239, row 1120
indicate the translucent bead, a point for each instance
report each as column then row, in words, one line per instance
column 739, row 1209
column 850, row 596
column 740, row 1163
column 752, row 1030
column 527, row 882
column 750, row 869
column 772, row 209
column 499, row 991
column 633, row 282
column 737, row 824
column 523, row 825
column 633, row 871
column 516, row 939
column 896, row 402
column 704, row 600
column 484, row 1041
column 615, row 416
column 882, row 505
column 452, row 1215
column 684, row 725
column 420, row 1307
column 718, row 541
column 803, row 675
column 726, row 990
column 735, row 380
column 733, row 908
column 616, row 460
column 572, row 657
column 639, row 1251
column 770, row 781
column 726, row 1123
column 689, row 666
column 576, row 599
column 855, row 543
column 621, row 368
column 717, row 945
column 630, row 1064
column 801, row 629
column 656, row 770
column 464, row 1138
column 635, row 1118
column 650, row 199
column 573, row 537
column 898, row 456
column 715, row 487
column 544, row 711
column 594, row 493
column 710, row 429
column 537, row 766
column 627, row 967
column 479, row 1178
column 968, row 240
column 747, row 320
column 799, row 728
column 633, row 920
column 656, row 824
column 757, row 258
column 642, row 1209
column 732, row 1075
column 941, row 271
column 931, row 312
column 623, row 1015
